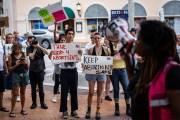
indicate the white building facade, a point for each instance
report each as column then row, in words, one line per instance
column 94, row 14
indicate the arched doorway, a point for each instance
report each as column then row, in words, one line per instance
column 35, row 20
column 172, row 15
column 139, row 14
column 97, row 18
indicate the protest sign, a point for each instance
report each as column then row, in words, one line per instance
column 65, row 52
column 97, row 64
column 51, row 13
column 23, row 48
column 4, row 22
column 7, row 49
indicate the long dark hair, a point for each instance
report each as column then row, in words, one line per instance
column 158, row 42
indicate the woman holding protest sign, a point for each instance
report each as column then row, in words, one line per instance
column 97, row 50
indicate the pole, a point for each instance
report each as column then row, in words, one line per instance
column 131, row 13
column 61, row 24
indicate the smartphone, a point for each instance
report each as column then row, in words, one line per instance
column 22, row 59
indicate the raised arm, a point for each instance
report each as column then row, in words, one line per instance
column 55, row 25
column 45, row 51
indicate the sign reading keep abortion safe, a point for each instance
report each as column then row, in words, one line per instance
column 51, row 13
column 97, row 65
column 65, row 52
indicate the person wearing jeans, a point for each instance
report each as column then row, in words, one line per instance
column 119, row 74
column 36, row 72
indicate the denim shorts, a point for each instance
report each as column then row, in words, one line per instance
column 92, row 77
column 19, row 79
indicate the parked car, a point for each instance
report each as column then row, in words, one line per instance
column 44, row 37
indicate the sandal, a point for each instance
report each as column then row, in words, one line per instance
column 3, row 109
column 11, row 114
column 24, row 112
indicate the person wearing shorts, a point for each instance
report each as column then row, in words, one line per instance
column 97, row 50
column 18, row 65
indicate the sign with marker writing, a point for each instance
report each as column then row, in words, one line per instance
column 7, row 49
column 51, row 13
column 97, row 65
column 65, row 52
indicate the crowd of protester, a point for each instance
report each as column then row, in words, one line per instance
column 151, row 94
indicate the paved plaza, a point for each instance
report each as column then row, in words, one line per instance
column 52, row 113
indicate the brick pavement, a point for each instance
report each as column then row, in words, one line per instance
column 107, row 109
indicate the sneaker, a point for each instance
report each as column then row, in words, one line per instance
column 98, row 116
column 18, row 99
column 44, row 106
column 108, row 98
column 54, row 99
column 88, row 115
column 74, row 114
column 117, row 113
column 65, row 115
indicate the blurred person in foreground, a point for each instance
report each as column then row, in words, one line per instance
column 178, row 45
column 156, row 91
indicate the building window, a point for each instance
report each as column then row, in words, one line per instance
column 97, row 24
column 1, row 10
column 170, row 21
column 37, row 24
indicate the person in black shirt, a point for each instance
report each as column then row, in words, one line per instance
column 36, row 71
column 157, row 43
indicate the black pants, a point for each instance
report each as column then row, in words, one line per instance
column 69, row 81
column 37, row 78
column 1, row 81
column 57, row 82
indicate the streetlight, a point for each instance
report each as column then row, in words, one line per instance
column 78, row 5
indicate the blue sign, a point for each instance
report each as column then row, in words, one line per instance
column 119, row 14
